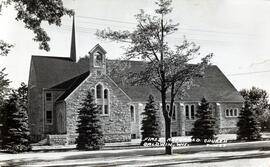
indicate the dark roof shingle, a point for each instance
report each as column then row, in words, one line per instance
column 62, row 73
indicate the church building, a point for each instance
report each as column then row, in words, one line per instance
column 57, row 86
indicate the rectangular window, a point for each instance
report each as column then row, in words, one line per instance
column 49, row 117
column 132, row 113
column 192, row 112
column 48, row 97
column 187, row 111
column 106, row 109
column 174, row 113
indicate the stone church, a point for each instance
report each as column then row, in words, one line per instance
column 57, row 86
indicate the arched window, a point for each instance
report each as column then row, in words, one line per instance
column 106, row 94
column 231, row 112
column 192, row 110
column 98, row 59
column 99, row 91
column 187, row 112
column 227, row 113
column 132, row 113
column 235, row 112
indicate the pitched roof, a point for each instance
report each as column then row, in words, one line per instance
column 214, row 86
column 53, row 70
column 62, row 73
column 70, row 85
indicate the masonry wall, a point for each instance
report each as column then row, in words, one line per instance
column 116, row 126
column 228, row 124
column 35, row 113
column 60, row 109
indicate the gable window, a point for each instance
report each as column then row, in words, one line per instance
column 49, row 117
column 48, row 96
column 106, row 94
column 132, row 113
column 99, row 91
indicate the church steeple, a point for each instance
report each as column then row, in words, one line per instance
column 73, row 42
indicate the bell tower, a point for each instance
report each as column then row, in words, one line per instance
column 97, row 60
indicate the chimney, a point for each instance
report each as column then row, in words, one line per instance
column 73, row 42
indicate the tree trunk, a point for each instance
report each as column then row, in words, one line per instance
column 168, row 139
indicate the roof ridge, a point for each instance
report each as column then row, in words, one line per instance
column 54, row 57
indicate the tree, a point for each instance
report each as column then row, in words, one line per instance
column 248, row 127
column 204, row 126
column 4, row 86
column 4, row 90
column 165, row 68
column 32, row 14
column 90, row 135
column 150, row 123
column 258, row 99
column 16, row 134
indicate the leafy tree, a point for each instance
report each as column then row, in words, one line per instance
column 90, row 135
column 204, row 126
column 165, row 68
column 150, row 123
column 258, row 99
column 16, row 134
column 248, row 126
column 32, row 14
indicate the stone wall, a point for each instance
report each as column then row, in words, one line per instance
column 60, row 109
column 116, row 125
column 228, row 124
column 57, row 139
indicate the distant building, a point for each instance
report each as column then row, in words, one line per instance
column 57, row 86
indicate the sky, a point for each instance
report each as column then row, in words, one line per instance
column 236, row 31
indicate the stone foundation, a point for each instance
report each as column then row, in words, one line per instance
column 70, row 139
column 57, row 139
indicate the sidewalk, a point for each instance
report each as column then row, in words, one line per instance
column 134, row 143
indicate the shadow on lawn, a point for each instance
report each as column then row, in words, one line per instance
column 184, row 161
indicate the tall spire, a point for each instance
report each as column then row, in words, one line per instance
column 73, row 42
